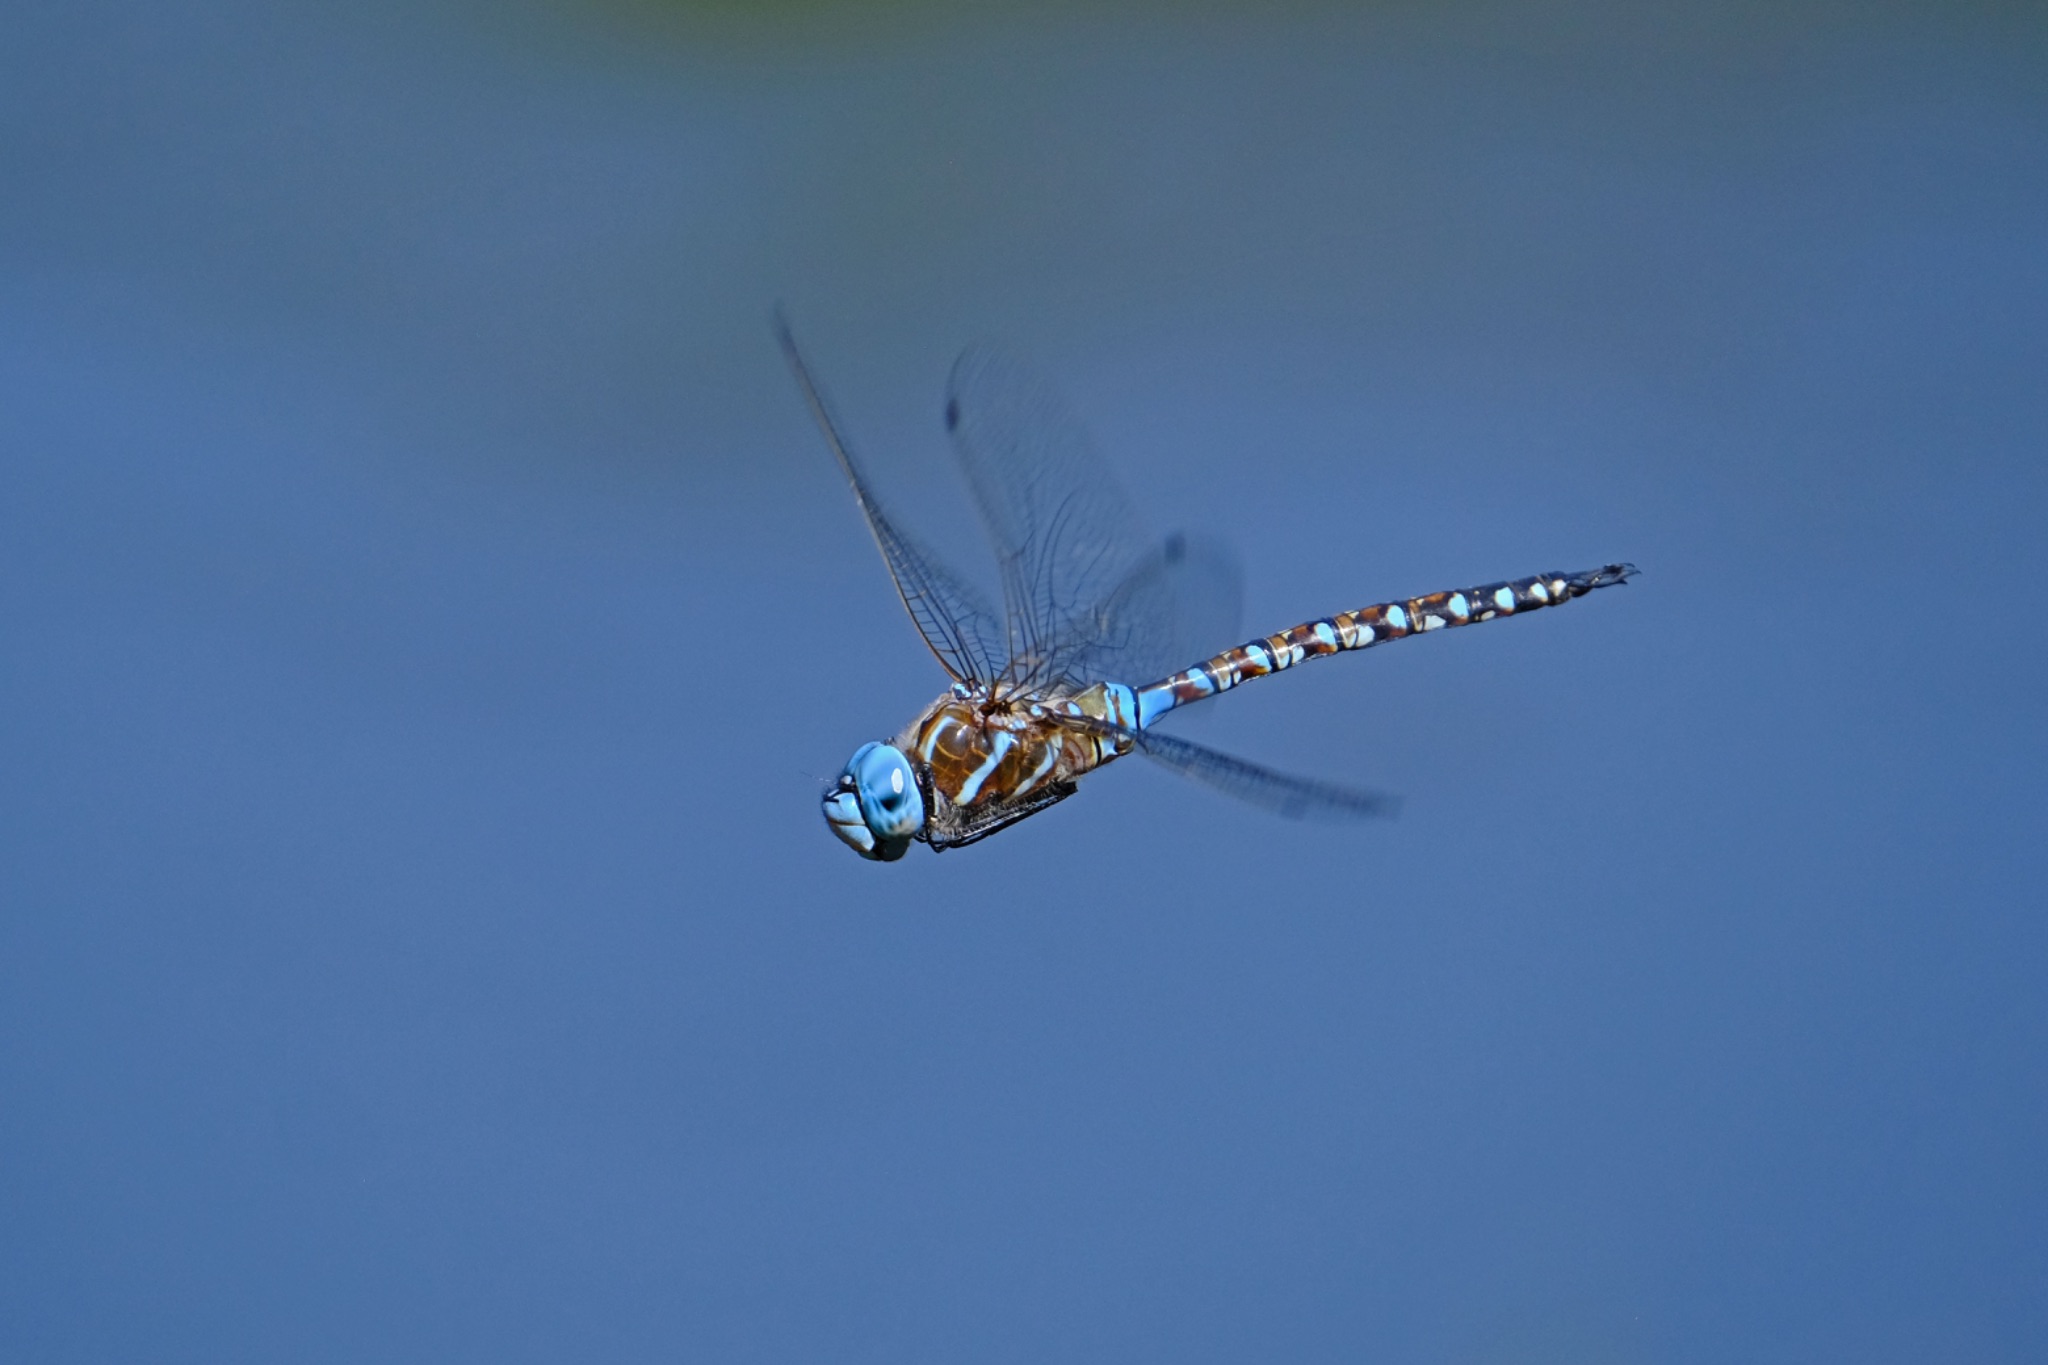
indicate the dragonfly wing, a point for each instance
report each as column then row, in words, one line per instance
column 1293, row 797
column 1182, row 600
column 954, row 619
column 1088, row 591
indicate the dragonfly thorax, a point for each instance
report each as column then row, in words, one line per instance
column 981, row 746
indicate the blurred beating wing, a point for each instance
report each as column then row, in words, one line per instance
column 1294, row 797
column 954, row 619
column 1183, row 602
column 1088, row 592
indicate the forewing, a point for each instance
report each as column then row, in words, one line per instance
column 955, row 620
column 1070, row 546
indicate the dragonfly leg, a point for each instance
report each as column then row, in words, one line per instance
column 975, row 824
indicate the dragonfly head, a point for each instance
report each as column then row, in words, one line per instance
column 875, row 808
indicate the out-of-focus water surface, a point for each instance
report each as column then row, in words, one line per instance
column 428, row 612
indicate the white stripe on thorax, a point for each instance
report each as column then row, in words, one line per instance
column 1004, row 740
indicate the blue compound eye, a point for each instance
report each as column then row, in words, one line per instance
column 876, row 809
column 890, row 802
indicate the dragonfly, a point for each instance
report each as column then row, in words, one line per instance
column 1042, row 691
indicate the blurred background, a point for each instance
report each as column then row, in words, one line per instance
column 427, row 617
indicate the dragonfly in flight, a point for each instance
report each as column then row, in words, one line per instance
column 1041, row 692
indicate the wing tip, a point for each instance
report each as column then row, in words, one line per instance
column 1344, row 804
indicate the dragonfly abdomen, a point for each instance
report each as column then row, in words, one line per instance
column 1366, row 627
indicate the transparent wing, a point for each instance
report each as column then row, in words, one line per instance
column 1293, row 797
column 1088, row 592
column 1182, row 602
column 955, row 620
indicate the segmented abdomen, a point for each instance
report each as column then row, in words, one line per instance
column 1366, row 627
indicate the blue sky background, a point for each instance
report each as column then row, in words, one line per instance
column 428, row 615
